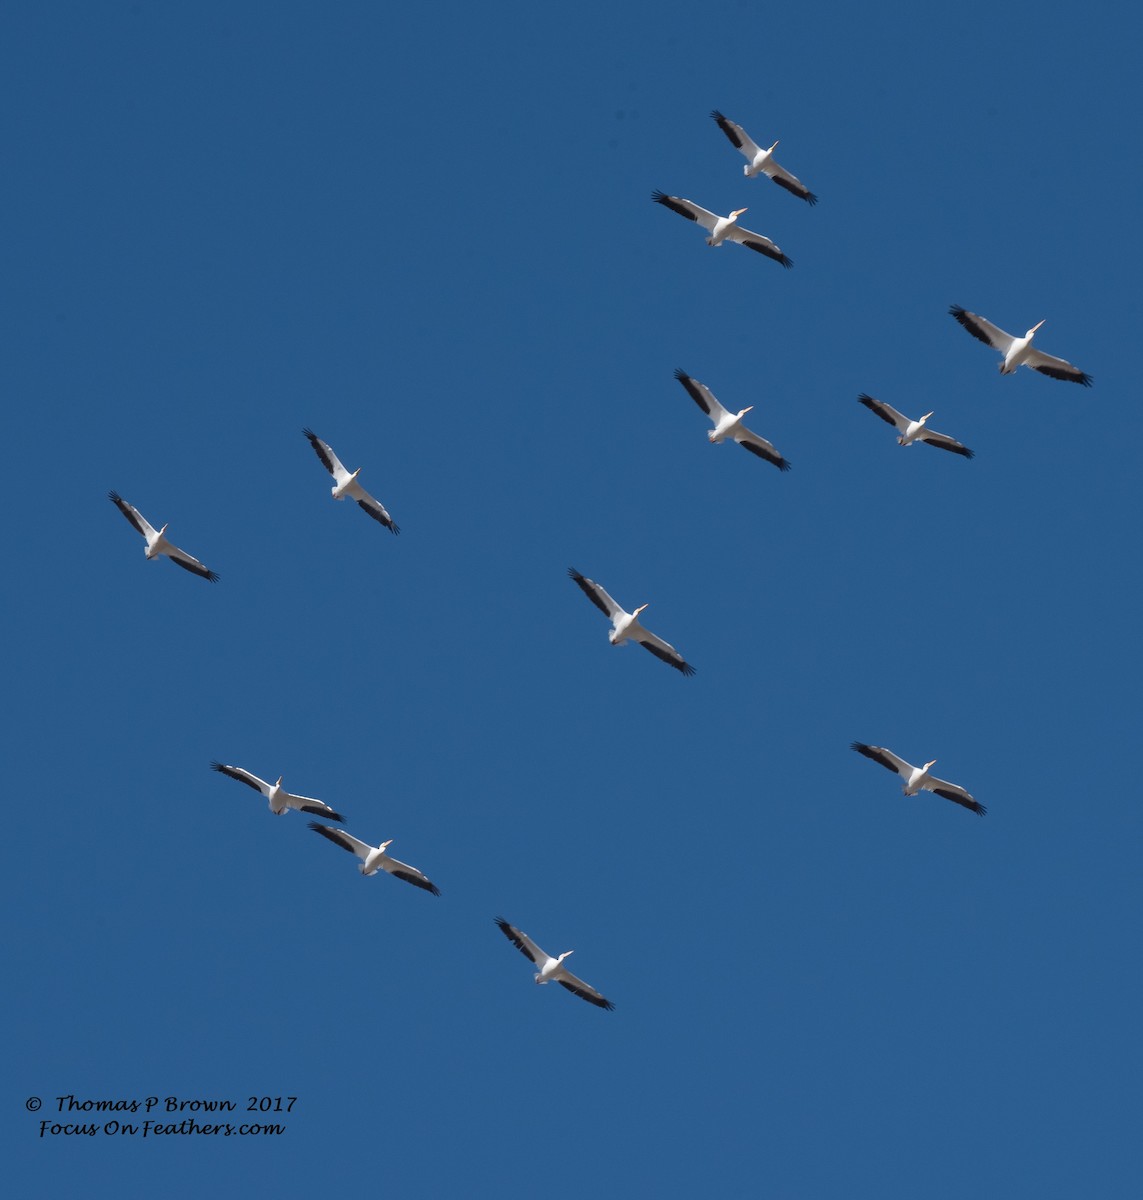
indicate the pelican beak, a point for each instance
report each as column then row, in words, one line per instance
column 746, row 410
column 1035, row 327
column 279, row 783
column 640, row 609
column 926, row 416
column 772, row 147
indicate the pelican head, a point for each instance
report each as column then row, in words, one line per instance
column 736, row 214
column 743, row 413
column 635, row 614
column 385, row 845
column 1031, row 332
column 930, row 765
column 926, row 417
column 771, row 150
column 566, row 954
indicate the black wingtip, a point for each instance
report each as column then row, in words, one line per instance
column 659, row 197
column 681, row 375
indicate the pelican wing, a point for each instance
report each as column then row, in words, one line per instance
column 688, row 209
column 984, row 331
column 749, row 440
column 340, row 838
column 886, row 758
column 373, row 507
column 409, row 874
column 189, row 563
column 791, row 183
column 583, row 990
column 661, row 649
column 597, row 595
column 319, row 808
column 329, row 460
column 259, row 785
column 950, row 791
column 702, row 396
column 1056, row 368
column 133, row 515
column 943, row 442
column 737, row 136
column 755, row 241
column 886, row 412
column 522, row 942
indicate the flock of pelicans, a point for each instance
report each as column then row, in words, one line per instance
column 625, row 626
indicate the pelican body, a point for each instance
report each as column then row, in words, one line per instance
column 917, row 779
column 157, row 543
column 723, row 229
column 625, row 625
column 552, row 970
column 1018, row 351
column 728, row 424
column 279, row 799
column 910, row 431
column 760, row 161
column 374, row 858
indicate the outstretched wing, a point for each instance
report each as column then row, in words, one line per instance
column 663, row 650
column 791, row 183
column 886, row 758
column 737, row 136
column 329, row 460
column 189, row 563
column 583, row 990
column 702, row 396
column 373, row 507
column 984, row 331
column 133, row 515
column 749, row 440
column 886, row 412
column 688, row 209
column 596, row 594
column 943, row 442
column 1056, row 368
column 340, row 838
column 756, row 241
column 259, row 785
column 522, row 942
column 955, row 793
column 409, row 874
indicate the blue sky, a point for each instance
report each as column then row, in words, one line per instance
column 427, row 234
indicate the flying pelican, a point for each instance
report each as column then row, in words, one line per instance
column 759, row 160
column 345, row 483
column 909, row 432
column 374, row 858
column 918, row 778
column 157, row 542
column 728, row 424
column 280, row 800
column 626, row 625
column 722, row 228
column 1018, row 350
column 552, row 968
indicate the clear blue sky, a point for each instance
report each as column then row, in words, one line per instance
column 427, row 233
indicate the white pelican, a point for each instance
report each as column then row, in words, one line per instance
column 759, row 160
column 345, row 483
column 722, row 228
column 157, row 543
column 908, row 431
column 1018, row 350
column 374, row 858
column 918, row 779
column 552, row 969
column 280, row 800
column 626, row 625
column 728, row 424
